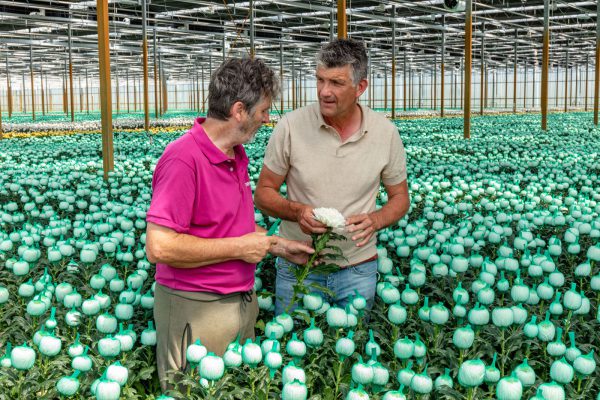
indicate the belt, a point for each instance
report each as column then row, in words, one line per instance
column 373, row 258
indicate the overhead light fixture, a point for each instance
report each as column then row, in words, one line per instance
column 455, row 5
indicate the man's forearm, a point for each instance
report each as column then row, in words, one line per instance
column 272, row 203
column 187, row 251
column 391, row 212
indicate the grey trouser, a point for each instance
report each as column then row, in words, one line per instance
column 182, row 317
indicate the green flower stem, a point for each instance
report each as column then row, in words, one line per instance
column 395, row 333
column 212, row 390
column 471, row 393
column 337, row 379
column 20, row 384
column 268, row 388
column 502, row 345
column 320, row 243
column 568, row 322
column 461, row 357
column 436, row 334
column 189, row 388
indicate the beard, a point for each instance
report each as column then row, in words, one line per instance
column 248, row 131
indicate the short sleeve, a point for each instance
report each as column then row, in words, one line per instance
column 173, row 195
column 395, row 170
column 277, row 154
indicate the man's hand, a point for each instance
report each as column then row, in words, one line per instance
column 363, row 225
column 255, row 246
column 294, row 251
column 308, row 223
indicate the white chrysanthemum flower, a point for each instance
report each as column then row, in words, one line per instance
column 330, row 217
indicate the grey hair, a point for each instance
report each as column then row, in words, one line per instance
column 342, row 52
column 247, row 80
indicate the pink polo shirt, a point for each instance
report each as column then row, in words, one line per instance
column 200, row 191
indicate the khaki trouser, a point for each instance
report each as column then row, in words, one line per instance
column 182, row 317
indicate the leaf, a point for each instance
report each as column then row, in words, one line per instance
column 260, row 324
column 325, row 268
column 322, row 288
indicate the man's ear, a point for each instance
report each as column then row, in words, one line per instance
column 361, row 87
column 236, row 111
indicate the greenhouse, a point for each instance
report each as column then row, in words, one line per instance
column 278, row 199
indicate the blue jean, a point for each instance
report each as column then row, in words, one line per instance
column 343, row 283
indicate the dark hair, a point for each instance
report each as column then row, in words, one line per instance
column 247, row 80
column 342, row 52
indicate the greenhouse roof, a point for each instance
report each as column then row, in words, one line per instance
column 191, row 34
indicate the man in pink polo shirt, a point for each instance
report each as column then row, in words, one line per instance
column 201, row 231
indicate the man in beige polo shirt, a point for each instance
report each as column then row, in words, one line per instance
column 335, row 153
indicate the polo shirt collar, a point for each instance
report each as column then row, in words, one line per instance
column 363, row 126
column 208, row 148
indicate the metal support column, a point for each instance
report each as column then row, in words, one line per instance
column 515, row 75
column 105, row 93
column 300, row 97
column 506, row 86
column 556, row 87
column 281, row 75
column 160, row 85
column 576, row 85
column 420, row 88
column 341, row 18
column 410, row 89
column 370, row 78
column 462, row 77
column 31, row 74
column 533, row 86
column 597, row 67
column 9, row 87
column 134, row 95
column 468, row 61
column 567, row 78
column 223, row 46
column 545, row 60
column 42, row 88
column 525, row 87
column 442, row 66
column 394, row 63
column 587, row 66
column 80, row 94
column 155, row 60
column 493, row 88
column 65, row 88
column 404, row 81
column 452, row 89
column 203, row 92
column 145, row 68
column 87, row 93
column 118, row 84
column 49, row 107
column 23, row 101
column 71, row 96
column 127, row 88
column 251, row 11
column 331, row 25
column 385, row 88
column 434, row 87
column 482, row 82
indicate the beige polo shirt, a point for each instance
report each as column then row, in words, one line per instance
column 321, row 171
